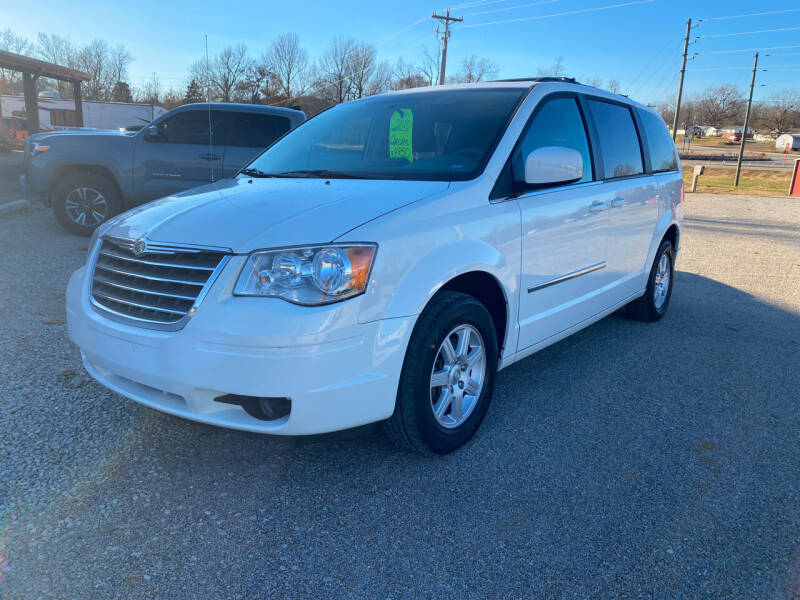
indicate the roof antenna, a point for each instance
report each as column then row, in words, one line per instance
column 208, row 104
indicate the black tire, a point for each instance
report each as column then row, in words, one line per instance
column 413, row 424
column 646, row 308
column 69, row 188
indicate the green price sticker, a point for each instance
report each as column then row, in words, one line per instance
column 400, row 127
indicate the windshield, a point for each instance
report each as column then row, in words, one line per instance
column 434, row 135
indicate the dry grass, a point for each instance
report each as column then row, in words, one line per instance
column 753, row 181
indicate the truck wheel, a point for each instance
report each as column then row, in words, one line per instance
column 448, row 376
column 84, row 200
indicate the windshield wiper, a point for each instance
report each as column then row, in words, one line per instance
column 321, row 174
column 253, row 172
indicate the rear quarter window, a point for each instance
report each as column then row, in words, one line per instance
column 619, row 141
column 659, row 143
column 253, row 130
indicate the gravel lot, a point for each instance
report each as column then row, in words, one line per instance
column 631, row 460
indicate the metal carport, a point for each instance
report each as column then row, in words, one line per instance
column 32, row 69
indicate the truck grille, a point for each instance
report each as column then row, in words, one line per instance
column 160, row 286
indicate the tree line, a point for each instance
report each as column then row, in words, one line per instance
column 285, row 74
column 725, row 105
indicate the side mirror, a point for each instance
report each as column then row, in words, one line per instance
column 553, row 164
column 151, row 133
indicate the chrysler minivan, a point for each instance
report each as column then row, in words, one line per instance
column 385, row 259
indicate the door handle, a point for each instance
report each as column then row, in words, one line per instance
column 597, row 206
column 617, row 202
column 210, row 157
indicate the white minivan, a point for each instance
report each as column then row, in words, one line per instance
column 385, row 259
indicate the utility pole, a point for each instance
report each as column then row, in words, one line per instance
column 680, row 85
column 746, row 122
column 447, row 19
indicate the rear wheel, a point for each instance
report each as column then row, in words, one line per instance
column 84, row 200
column 448, row 376
column 653, row 305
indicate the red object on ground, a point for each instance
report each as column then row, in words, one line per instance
column 794, row 189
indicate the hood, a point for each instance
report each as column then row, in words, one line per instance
column 245, row 214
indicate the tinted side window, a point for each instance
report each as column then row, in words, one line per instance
column 659, row 142
column 557, row 123
column 619, row 142
column 192, row 127
column 258, row 131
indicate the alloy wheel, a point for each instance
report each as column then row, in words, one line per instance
column 457, row 376
column 86, row 206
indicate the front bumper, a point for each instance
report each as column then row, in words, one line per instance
column 337, row 372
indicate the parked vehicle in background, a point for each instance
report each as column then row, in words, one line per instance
column 89, row 176
column 385, row 259
column 59, row 113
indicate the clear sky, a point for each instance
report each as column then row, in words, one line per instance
column 638, row 44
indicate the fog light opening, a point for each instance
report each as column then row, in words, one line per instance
column 261, row 408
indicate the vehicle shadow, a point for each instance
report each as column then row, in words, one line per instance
column 629, row 460
column 630, row 440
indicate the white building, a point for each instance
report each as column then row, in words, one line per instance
column 59, row 113
column 793, row 139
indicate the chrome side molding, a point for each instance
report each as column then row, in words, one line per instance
column 567, row 276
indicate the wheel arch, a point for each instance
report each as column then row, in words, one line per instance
column 484, row 287
column 63, row 171
column 672, row 234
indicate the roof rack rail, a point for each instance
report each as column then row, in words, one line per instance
column 540, row 79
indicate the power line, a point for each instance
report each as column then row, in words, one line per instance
column 720, row 35
column 473, row 4
column 562, row 14
column 495, row 10
column 746, row 50
column 758, row 14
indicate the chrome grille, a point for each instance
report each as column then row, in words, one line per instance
column 160, row 287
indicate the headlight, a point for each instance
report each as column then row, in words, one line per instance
column 309, row 276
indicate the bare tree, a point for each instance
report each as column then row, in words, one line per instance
column 361, row 69
column 407, row 75
column 720, row 105
column 430, row 65
column 11, row 42
column 288, row 61
column 334, row 83
column 613, row 86
column 249, row 88
column 59, row 50
column 223, row 73
column 381, row 79
column 780, row 113
column 595, row 82
column 150, row 91
column 476, row 69
column 554, row 70
column 94, row 60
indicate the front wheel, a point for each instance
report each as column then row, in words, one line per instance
column 82, row 201
column 448, row 376
column 653, row 305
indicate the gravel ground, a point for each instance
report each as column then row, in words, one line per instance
column 631, row 460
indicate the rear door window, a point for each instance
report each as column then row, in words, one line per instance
column 197, row 127
column 659, row 143
column 619, row 141
column 557, row 123
column 251, row 130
